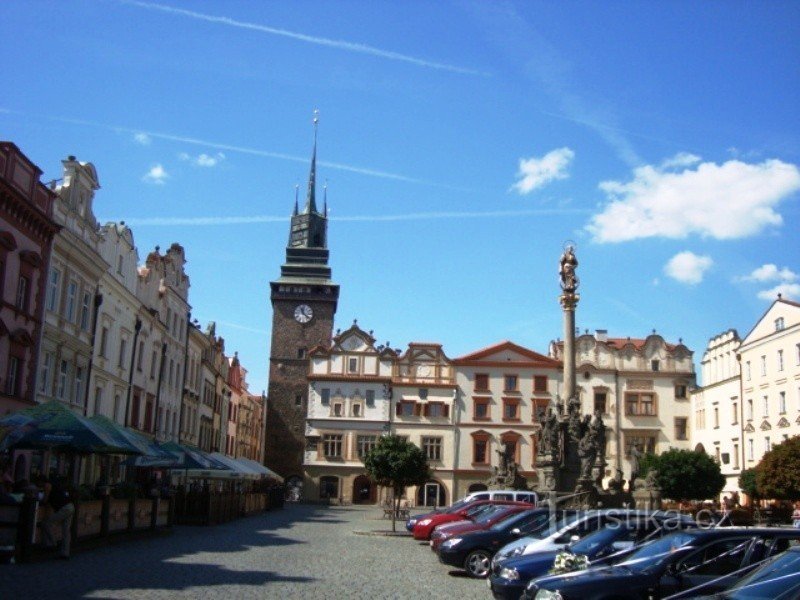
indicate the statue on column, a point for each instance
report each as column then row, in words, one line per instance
column 569, row 281
column 550, row 433
column 599, row 429
column 587, row 451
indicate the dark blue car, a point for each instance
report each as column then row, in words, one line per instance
column 714, row 558
column 612, row 543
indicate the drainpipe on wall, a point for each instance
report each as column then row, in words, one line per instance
column 136, row 329
column 741, row 417
column 456, row 438
column 618, row 419
column 185, row 369
column 98, row 301
column 158, row 389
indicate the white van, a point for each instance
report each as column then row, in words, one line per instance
column 516, row 495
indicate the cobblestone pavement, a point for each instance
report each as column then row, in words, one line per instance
column 298, row 552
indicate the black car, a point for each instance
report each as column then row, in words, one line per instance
column 669, row 565
column 473, row 551
column 778, row 578
column 609, row 545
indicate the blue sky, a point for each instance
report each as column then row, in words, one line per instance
column 464, row 143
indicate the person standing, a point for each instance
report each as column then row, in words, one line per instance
column 59, row 497
column 796, row 515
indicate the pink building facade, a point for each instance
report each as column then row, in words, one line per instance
column 26, row 234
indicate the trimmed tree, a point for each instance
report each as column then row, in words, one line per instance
column 686, row 474
column 396, row 463
column 778, row 473
column 748, row 483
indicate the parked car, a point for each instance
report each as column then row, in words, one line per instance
column 611, row 543
column 676, row 562
column 577, row 527
column 777, row 578
column 423, row 528
column 447, row 509
column 473, row 551
column 483, row 521
column 516, row 495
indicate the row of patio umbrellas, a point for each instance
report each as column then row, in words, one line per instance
column 53, row 426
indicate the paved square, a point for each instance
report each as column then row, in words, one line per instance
column 299, row 552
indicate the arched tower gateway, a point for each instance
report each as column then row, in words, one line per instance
column 304, row 302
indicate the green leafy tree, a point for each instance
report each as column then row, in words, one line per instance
column 778, row 473
column 396, row 463
column 748, row 483
column 685, row 474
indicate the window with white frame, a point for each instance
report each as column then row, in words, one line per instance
column 780, row 360
column 53, row 288
column 432, row 447
column 86, row 307
column 46, row 372
column 365, row 443
column 782, row 403
column 747, row 370
column 13, row 376
column 332, row 445
column 63, row 371
column 766, row 406
column 104, row 342
column 370, row 397
column 352, row 365
column 779, row 324
column 750, row 409
column 763, row 365
column 98, row 402
column 22, row 293
column 72, row 297
column 750, row 450
column 356, row 408
column 767, row 444
column 122, row 348
column 78, row 396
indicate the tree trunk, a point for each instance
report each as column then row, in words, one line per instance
column 395, row 508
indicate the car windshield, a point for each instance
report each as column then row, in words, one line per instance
column 779, row 577
column 599, row 539
column 457, row 506
column 515, row 521
column 658, row 550
column 489, row 513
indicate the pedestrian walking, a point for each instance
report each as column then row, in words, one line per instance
column 796, row 515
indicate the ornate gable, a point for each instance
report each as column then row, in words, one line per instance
column 765, row 426
column 749, row 428
column 784, row 422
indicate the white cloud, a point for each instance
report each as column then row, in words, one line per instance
column 538, row 172
column 142, row 138
column 787, row 290
column 726, row 201
column 203, row 160
column 770, row 272
column 157, row 175
column 688, row 267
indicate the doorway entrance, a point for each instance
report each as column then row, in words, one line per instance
column 432, row 493
column 364, row 490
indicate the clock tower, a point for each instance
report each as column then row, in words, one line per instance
column 303, row 306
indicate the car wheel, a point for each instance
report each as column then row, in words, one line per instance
column 478, row 563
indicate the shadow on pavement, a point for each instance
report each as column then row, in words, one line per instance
column 164, row 562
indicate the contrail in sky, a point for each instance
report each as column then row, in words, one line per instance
column 243, row 150
column 206, row 221
column 302, row 37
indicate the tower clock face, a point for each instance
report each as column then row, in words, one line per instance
column 303, row 313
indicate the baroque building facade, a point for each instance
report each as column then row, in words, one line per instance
column 503, row 392
column 27, row 229
column 76, row 267
column 770, row 378
column 640, row 387
column 717, row 407
column 348, row 409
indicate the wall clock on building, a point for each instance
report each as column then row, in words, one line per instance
column 303, row 313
